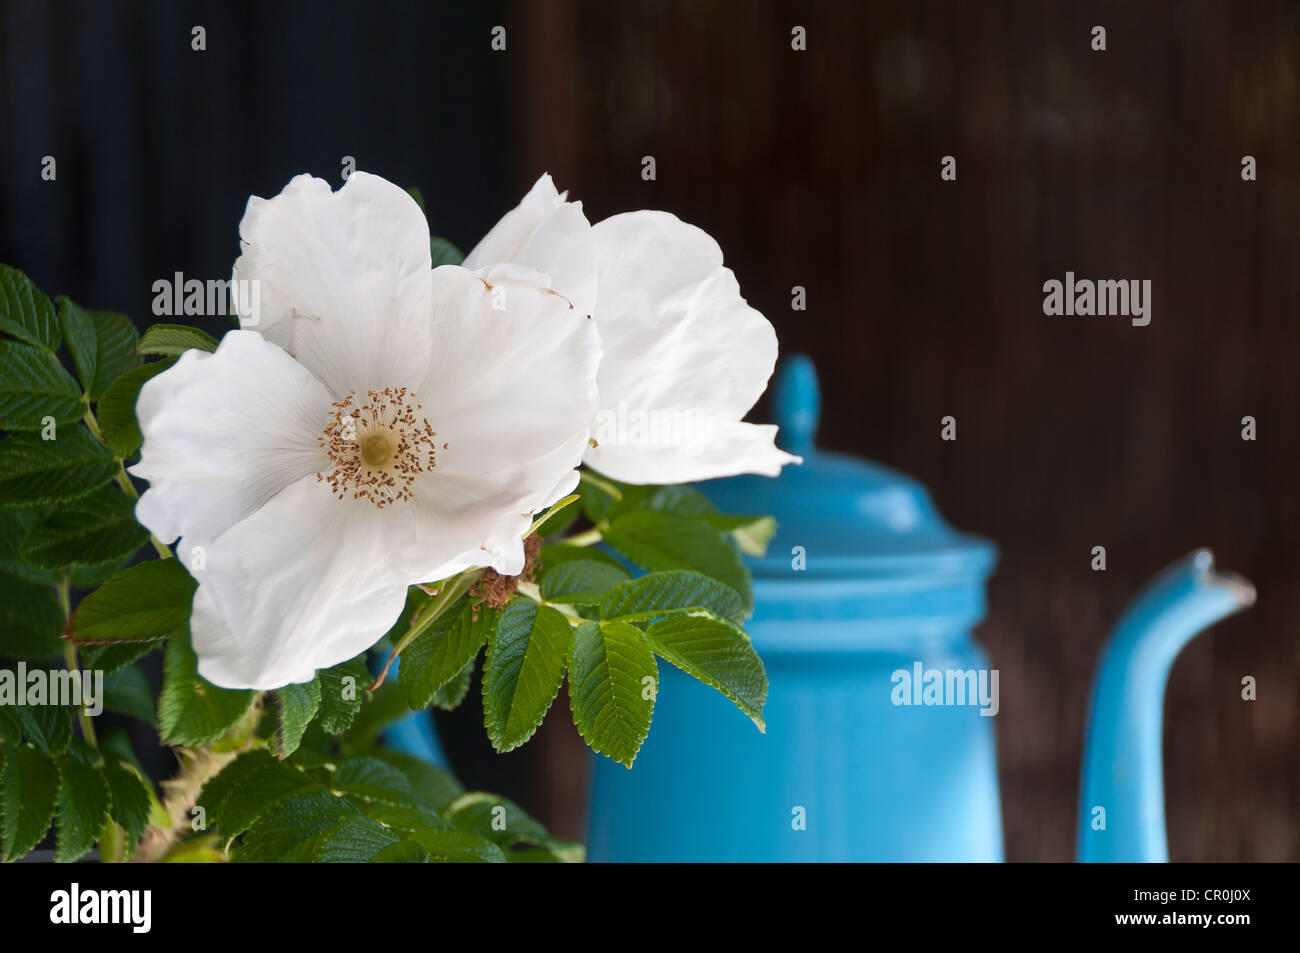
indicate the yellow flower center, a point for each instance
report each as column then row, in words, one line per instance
column 377, row 448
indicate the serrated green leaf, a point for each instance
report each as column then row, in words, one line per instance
column 717, row 652
column 444, row 252
column 384, row 705
column 525, row 666
column 110, row 658
column 173, row 340
column 25, row 312
column 191, row 710
column 613, row 680
column 127, row 692
column 34, row 386
column 30, row 620
column 293, row 821
column 455, row 846
column 505, row 823
column 450, row 696
column 659, row 541
column 603, row 498
column 297, row 706
column 143, row 603
column 102, row 344
column 433, row 787
column 47, row 726
column 402, row 852
column 116, row 408
column 660, row 593
column 130, row 801
column 36, row 472
column 437, row 656
column 29, row 792
column 84, row 801
column 93, row 529
column 354, row 840
column 342, row 689
column 250, row 787
column 581, row 581
column 369, row 779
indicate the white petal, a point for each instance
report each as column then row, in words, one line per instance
column 306, row 582
column 510, row 392
column 546, row 233
column 223, row 434
column 685, row 357
column 342, row 279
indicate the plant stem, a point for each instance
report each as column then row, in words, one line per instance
column 448, row 593
column 586, row 476
column 590, row 538
column 70, row 657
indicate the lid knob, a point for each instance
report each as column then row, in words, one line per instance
column 798, row 404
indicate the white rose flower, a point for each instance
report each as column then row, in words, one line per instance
column 385, row 423
column 684, row 357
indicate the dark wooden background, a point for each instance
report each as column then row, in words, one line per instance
column 820, row 169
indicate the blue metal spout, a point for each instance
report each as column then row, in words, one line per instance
column 1122, row 802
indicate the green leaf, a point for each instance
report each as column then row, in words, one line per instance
column 661, row 593
column 93, row 529
column 385, row 704
column 751, row 533
column 414, row 192
column 250, row 787
column 341, row 691
column 291, row 824
column 354, row 840
column 35, row 472
column 14, row 524
column 369, row 779
column 33, row 386
column 613, row 680
column 437, row 656
column 554, row 555
column 449, row 697
column 109, row 658
column 297, row 705
column 403, row 852
column 433, row 787
column 173, row 340
column 556, row 518
column 30, row 620
column 600, row 504
column 29, row 792
column 142, row 603
column 25, row 312
column 116, row 408
column 581, row 581
column 130, row 801
column 505, row 823
column 102, row 344
column 127, row 692
column 455, row 846
column 659, row 541
column 84, row 801
column 191, row 710
column 717, row 652
column 524, row 668
column 48, row 727
column 444, row 252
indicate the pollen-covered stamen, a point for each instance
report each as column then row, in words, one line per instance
column 378, row 448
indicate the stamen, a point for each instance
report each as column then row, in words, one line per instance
column 377, row 449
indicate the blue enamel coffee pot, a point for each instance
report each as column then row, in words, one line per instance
column 881, row 712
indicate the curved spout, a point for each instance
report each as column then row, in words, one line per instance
column 1123, row 770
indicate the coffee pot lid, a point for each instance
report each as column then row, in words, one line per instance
column 843, row 515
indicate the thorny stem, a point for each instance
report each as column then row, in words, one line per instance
column 450, row 591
